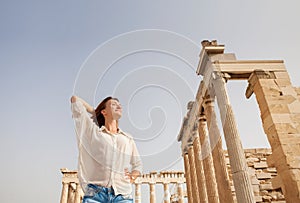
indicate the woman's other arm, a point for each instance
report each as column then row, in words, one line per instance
column 131, row 176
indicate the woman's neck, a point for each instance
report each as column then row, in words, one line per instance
column 111, row 126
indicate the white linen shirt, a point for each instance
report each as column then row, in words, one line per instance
column 103, row 157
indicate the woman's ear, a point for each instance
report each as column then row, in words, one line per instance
column 103, row 112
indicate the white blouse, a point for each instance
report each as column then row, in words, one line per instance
column 103, row 157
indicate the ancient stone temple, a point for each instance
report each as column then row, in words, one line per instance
column 212, row 174
column 204, row 160
column 72, row 192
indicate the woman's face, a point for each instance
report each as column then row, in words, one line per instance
column 113, row 110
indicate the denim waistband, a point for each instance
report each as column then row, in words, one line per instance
column 99, row 188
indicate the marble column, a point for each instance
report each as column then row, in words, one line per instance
column 138, row 195
column 193, row 173
column 222, row 178
column 211, row 184
column 77, row 193
column 188, row 178
column 64, row 193
column 166, row 193
column 71, row 194
column 152, row 193
column 200, row 172
column 180, row 193
column 240, row 176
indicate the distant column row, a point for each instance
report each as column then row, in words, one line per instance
column 72, row 192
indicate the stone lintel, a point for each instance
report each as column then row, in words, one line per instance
column 248, row 66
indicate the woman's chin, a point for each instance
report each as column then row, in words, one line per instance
column 117, row 116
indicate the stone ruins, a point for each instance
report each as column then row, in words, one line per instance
column 72, row 192
column 204, row 160
column 212, row 175
column 264, row 180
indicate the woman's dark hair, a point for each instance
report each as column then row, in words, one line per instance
column 99, row 116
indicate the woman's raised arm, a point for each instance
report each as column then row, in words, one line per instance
column 88, row 107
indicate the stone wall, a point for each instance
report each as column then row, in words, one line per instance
column 266, row 186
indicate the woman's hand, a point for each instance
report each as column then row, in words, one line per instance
column 131, row 176
column 73, row 99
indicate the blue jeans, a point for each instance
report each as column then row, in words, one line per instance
column 98, row 194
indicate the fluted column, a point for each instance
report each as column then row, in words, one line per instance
column 199, row 169
column 152, row 193
column 224, row 189
column 180, row 193
column 188, row 178
column 241, row 180
column 194, row 183
column 211, row 184
column 138, row 195
column 77, row 193
column 64, row 193
column 166, row 193
column 71, row 193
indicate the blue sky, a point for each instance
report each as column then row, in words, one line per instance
column 45, row 43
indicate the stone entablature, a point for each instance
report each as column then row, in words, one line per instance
column 163, row 177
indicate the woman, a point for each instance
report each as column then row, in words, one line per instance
column 108, row 159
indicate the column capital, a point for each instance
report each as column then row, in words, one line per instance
column 202, row 118
column 186, row 148
column 220, row 75
column 190, row 105
column 253, row 79
column 209, row 102
column 195, row 131
column 260, row 74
